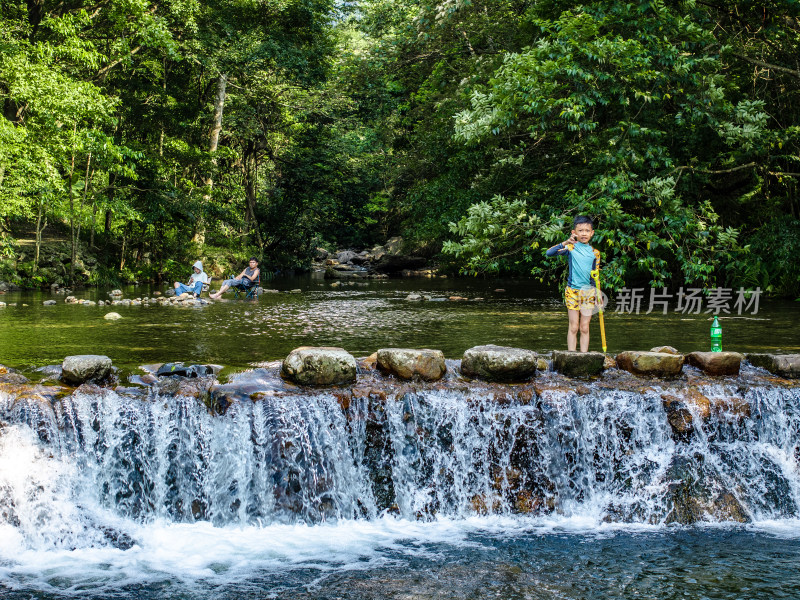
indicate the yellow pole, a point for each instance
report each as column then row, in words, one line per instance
column 596, row 276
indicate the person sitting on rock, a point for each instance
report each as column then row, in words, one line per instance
column 196, row 281
column 245, row 280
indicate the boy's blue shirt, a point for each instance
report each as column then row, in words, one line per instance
column 581, row 259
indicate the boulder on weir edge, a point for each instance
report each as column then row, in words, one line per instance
column 9, row 375
column 716, row 363
column 499, row 363
column 319, row 365
column 665, row 349
column 408, row 363
column 578, row 364
column 783, row 365
column 650, row 364
column 85, row 367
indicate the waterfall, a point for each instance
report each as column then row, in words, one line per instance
column 75, row 469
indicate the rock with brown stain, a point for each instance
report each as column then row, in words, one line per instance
column 716, row 363
column 407, row 363
column 651, row 364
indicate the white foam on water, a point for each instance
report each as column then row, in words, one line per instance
column 60, row 534
column 201, row 553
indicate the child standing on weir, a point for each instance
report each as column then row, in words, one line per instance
column 581, row 293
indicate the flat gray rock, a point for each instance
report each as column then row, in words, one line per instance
column 650, row 364
column 578, row 364
column 85, row 367
column 783, row 365
column 716, row 363
column 319, row 365
column 499, row 363
column 407, row 363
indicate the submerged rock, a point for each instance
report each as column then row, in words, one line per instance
column 85, row 367
column 499, row 363
column 698, row 493
column 181, row 370
column 310, row 365
column 9, row 375
column 784, row 365
column 731, row 410
column 578, row 364
column 716, row 363
column 650, row 364
column 112, row 316
column 408, row 363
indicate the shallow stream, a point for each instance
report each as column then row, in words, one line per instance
column 361, row 318
column 145, row 494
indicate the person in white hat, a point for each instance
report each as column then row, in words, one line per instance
column 196, row 281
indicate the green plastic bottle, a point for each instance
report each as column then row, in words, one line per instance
column 716, row 336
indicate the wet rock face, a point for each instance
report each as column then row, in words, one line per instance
column 181, row 370
column 650, row 364
column 406, row 363
column 784, row 365
column 499, row 363
column 578, row 364
column 9, row 375
column 85, row 367
column 716, row 363
column 310, row 365
column 697, row 493
column 681, row 409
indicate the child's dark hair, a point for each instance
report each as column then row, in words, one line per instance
column 253, row 259
column 581, row 219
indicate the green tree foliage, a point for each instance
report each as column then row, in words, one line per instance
column 157, row 132
column 623, row 111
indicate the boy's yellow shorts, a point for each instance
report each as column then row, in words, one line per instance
column 584, row 299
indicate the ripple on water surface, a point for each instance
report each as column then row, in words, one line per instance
column 361, row 319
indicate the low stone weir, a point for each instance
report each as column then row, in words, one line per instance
column 259, row 449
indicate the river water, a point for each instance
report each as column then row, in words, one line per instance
column 145, row 494
column 361, row 318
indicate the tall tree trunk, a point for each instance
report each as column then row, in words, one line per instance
column 216, row 128
column 39, row 229
column 94, row 222
column 86, row 180
column 219, row 106
column 251, row 190
column 164, row 88
column 122, row 254
column 72, row 211
column 112, row 183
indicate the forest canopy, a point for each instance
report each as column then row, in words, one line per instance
column 145, row 134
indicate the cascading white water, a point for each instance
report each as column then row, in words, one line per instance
column 70, row 472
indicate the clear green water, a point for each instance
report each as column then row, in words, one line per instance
column 722, row 564
column 360, row 318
